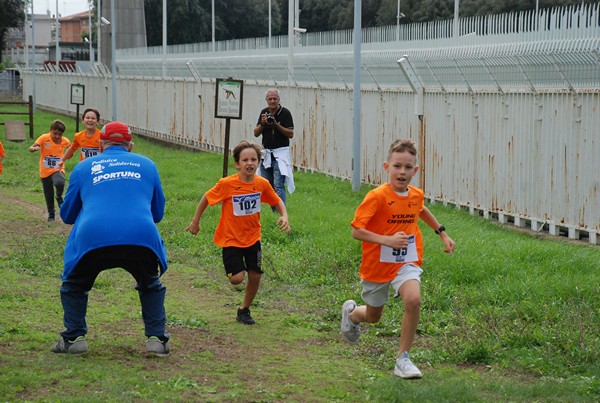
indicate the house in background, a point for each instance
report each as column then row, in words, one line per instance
column 19, row 50
column 74, row 26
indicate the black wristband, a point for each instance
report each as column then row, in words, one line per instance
column 440, row 229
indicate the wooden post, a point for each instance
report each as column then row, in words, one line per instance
column 31, row 117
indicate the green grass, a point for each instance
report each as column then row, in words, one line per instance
column 509, row 317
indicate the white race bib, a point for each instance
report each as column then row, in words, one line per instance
column 402, row 255
column 246, row 204
column 89, row 152
column 51, row 162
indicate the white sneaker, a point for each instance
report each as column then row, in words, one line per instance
column 405, row 368
column 350, row 330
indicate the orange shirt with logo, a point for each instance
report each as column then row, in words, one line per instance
column 240, row 209
column 385, row 212
column 90, row 145
column 50, row 154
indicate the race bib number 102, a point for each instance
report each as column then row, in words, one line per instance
column 246, row 204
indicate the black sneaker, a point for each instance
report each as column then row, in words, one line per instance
column 51, row 217
column 243, row 316
column 59, row 200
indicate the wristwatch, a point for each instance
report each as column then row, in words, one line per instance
column 440, row 229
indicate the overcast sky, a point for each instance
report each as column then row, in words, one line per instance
column 65, row 7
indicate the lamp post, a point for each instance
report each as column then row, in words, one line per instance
column 113, row 57
column 213, row 24
column 90, row 33
column 164, row 39
column 57, row 33
column 34, row 55
column 291, row 40
column 98, row 33
column 398, row 16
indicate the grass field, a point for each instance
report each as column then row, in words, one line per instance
column 511, row 316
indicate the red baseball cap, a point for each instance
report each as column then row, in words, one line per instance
column 116, row 131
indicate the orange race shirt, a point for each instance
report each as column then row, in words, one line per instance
column 50, row 154
column 385, row 212
column 90, row 145
column 240, row 209
column 1, row 155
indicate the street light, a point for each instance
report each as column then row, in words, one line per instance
column 398, row 16
column 57, row 32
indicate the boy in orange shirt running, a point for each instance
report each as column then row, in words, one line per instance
column 239, row 229
column 392, row 248
column 51, row 147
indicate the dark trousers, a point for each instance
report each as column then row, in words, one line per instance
column 140, row 262
column 56, row 180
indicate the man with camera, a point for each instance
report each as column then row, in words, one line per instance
column 276, row 125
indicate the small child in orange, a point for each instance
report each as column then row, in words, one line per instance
column 52, row 147
column 239, row 229
column 87, row 140
column 392, row 252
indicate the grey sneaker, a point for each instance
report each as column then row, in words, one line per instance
column 350, row 330
column 405, row 368
column 157, row 347
column 77, row 346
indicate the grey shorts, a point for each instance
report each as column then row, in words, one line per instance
column 377, row 294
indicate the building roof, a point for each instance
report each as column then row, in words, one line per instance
column 75, row 17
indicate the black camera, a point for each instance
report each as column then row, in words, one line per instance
column 270, row 119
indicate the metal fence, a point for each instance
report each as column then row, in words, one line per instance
column 508, row 123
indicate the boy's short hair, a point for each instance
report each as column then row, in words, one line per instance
column 242, row 146
column 58, row 125
column 90, row 110
column 400, row 146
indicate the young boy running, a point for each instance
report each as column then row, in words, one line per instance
column 52, row 147
column 392, row 248
column 239, row 230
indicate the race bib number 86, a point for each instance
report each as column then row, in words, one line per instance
column 246, row 204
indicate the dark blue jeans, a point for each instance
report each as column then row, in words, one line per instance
column 275, row 178
column 140, row 262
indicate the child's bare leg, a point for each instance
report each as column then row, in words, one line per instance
column 237, row 278
column 366, row 313
column 251, row 288
column 411, row 297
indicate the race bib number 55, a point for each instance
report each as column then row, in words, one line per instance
column 402, row 255
column 246, row 204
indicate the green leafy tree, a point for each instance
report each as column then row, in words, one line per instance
column 11, row 16
column 187, row 22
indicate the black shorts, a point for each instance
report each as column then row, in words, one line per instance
column 237, row 259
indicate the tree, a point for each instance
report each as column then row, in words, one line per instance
column 187, row 22
column 12, row 16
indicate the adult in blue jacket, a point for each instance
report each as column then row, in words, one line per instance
column 114, row 201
